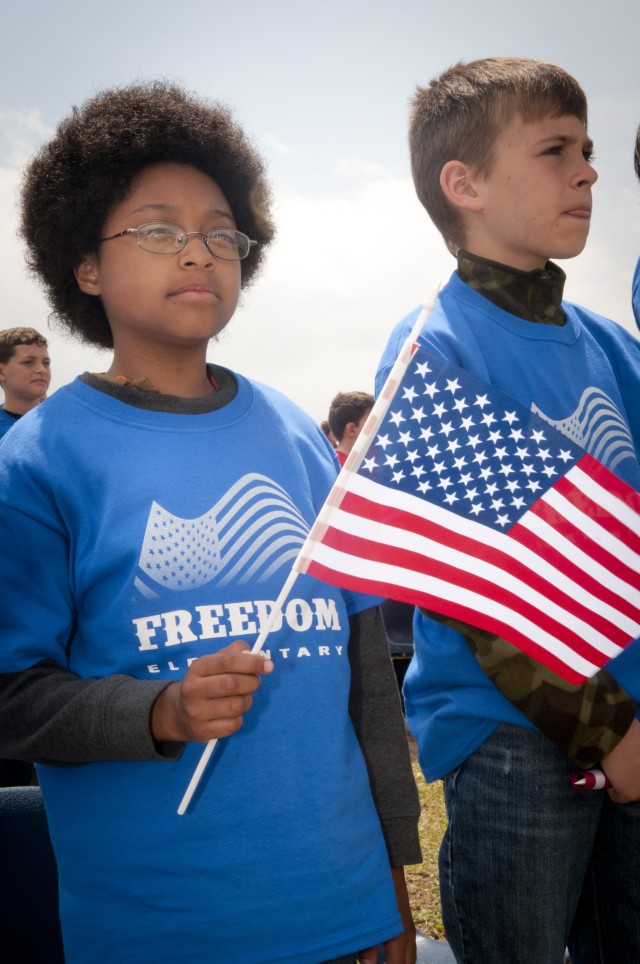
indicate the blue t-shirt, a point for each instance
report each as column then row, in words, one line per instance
column 7, row 421
column 584, row 377
column 140, row 541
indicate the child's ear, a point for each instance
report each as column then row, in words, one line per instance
column 87, row 274
column 457, row 181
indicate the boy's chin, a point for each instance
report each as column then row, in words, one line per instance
column 565, row 254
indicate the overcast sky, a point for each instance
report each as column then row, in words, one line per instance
column 323, row 89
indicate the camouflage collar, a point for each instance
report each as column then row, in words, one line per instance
column 531, row 295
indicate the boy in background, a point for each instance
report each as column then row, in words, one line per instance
column 324, row 425
column 153, row 513
column 347, row 414
column 501, row 160
column 25, row 373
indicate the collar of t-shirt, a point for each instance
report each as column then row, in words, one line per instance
column 142, row 394
column 531, row 295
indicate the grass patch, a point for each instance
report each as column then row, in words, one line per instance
column 422, row 879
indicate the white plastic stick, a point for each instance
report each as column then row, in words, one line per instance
column 257, row 646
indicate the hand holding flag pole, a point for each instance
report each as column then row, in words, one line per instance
column 353, row 461
column 257, row 648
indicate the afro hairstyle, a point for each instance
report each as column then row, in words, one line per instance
column 74, row 181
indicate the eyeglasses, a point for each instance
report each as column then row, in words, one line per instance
column 160, row 237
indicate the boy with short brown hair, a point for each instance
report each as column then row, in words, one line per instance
column 347, row 414
column 25, row 373
column 501, row 159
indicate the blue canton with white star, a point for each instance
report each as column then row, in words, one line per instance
column 452, row 439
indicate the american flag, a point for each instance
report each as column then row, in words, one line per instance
column 462, row 501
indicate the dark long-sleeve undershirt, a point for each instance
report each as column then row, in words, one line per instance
column 50, row 715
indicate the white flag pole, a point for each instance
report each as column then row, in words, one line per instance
column 352, row 464
column 257, row 647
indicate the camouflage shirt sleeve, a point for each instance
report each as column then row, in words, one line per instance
column 586, row 721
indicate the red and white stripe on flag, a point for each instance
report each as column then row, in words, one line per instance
column 557, row 573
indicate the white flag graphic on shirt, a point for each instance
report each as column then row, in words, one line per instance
column 249, row 534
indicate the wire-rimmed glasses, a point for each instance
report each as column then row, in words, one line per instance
column 161, row 237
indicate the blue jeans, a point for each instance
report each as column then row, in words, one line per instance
column 528, row 865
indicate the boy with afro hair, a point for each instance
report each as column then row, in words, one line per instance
column 501, row 160
column 153, row 513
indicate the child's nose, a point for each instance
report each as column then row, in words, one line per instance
column 196, row 251
column 587, row 174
